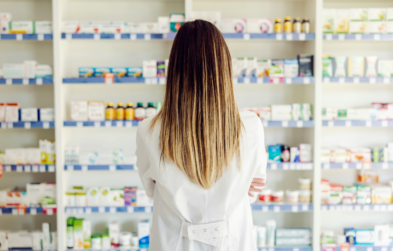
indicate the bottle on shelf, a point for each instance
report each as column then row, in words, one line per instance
column 120, row 111
column 140, row 111
column 288, row 25
column 130, row 112
column 150, row 110
column 297, row 25
column 110, row 113
column 306, row 25
column 278, row 26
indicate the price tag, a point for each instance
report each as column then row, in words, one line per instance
column 154, row 81
column 288, row 81
column 68, row 36
column 130, row 209
column 284, row 123
column 292, row 166
column 377, row 208
column 8, row 81
column 68, row 210
column 162, row 81
column 7, row 168
column 390, row 207
column 385, row 165
column 19, row 37
column 133, row 36
column 366, row 208
column 246, row 36
column 79, row 124
column 341, row 36
column 329, row 36
column 119, row 123
column 25, row 81
column 384, row 208
column 39, row 81
column 51, row 168
column 345, row 165
column 372, row 80
column 357, row 208
column 117, row 36
column 108, row 123
column 10, row 125
column 276, row 209
column 88, row 210
column 246, row 80
column 326, row 165
column 278, row 36
column 289, row 37
column 377, row 37
column 97, row 124
column 27, row 169
column 384, row 249
column 285, row 166
column 302, row 36
column 366, row 165
column 147, row 209
column 352, row 249
column 384, row 123
column 27, row 125
column 234, row 80
column 45, row 125
column 326, row 80
column 276, row 80
column 299, row 123
column 109, row 80
column 306, row 80
column 295, row 208
column 368, row 123
column 70, row 168
column 40, row 37
column 80, row 210
column 74, row 211
column 273, row 166
column 259, row 80
column 101, row 209
column 339, row 208
column 35, row 169
column 84, row 168
column 3, row 125
column 295, row 249
column 356, row 80
column 42, row 169
column 358, row 166
column 332, row 208
column 386, row 80
column 33, row 211
column 147, row 36
column 324, row 208
column 97, row 36
column 49, row 211
column 369, row 249
column 14, row 211
column 341, row 80
column 358, row 37
column 128, row 124
column 148, row 81
column 19, row 169
column 348, row 123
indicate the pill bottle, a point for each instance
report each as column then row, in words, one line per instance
column 278, row 26
column 297, row 25
column 150, row 110
column 130, row 112
column 306, row 25
column 140, row 112
column 277, row 196
column 106, row 242
column 96, row 241
column 288, row 25
column 110, row 112
column 120, row 111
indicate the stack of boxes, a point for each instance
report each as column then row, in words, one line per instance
column 284, row 112
column 378, row 111
column 29, row 69
column 36, row 194
column 11, row 112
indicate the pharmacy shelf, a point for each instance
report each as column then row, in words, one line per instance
column 259, row 249
column 27, row 125
column 110, row 209
column 171, row 36
column 118, row 36
column 29, row 168
column 290, row 166
column 28, row 210
column 162, row 80
column 287, row 123
column 370, row 248
column 365, row 207
column 359, row 37
column 356, row 80
column 124, row 167
column 282, row 207
column 26, row 81
column 114, row 123
column 357, row 123
column 358, row 166
column 20, row 37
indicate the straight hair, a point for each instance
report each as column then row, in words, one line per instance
column 200, row 122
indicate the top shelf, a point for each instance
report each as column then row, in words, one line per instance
column 359, row 37
column 21, row 37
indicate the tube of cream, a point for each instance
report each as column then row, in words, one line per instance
column 270, row 232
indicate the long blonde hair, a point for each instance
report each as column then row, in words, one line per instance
column 200, row 122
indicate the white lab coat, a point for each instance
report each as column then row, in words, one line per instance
column 186, row 217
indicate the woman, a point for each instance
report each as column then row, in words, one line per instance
column 198, row 156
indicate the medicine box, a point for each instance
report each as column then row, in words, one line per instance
column 291, row 68
column 150, row 27
column 377, row 27
column 233, row 25
column 251, row 67
column 70, row 26
column 79, row 110
column 358, row 27
column 104, row 196
column 43, row 27
column 46, row 114
column 130, row 196
column 112, row 27
column 263, row 66
column 19, row 240
column 32, row 156
column 259, row 25
column 149, row 68
column 176, row 20
column 163, row 25
column 116, row 197
column 90, row 27
column 96, row 110
column 133, row 27
column 86, row 228
column 43, row 71
column 358, row 14
column 13, row 70
column 143, row 233
column 377, row 14
column 24, row 27
column 4, row 19
column 341, row 21
column 329, row 16
column 136, row 72
column 30, row 66
column 12, row 112
column 119, row 71
column 29, row 114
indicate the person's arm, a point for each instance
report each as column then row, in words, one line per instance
column 259, row 180
column 143, row 165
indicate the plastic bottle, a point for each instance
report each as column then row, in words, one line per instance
column 306, row 25
column 110, row 112
column 150, row 110
column 130, row 112
column 140, row 112
column 120, row 112
column 297, row 25
column 70, row 233
column 287, row 25
column 278, row 26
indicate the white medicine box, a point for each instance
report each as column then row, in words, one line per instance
column 96, row 111
column 79, row 110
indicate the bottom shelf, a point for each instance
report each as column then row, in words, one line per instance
column 360, row 248
column 306, row 248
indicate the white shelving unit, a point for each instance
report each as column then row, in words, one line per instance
column 67, row 52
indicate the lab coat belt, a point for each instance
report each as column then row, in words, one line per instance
column 209, row 233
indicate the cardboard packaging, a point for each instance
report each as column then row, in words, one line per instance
column 29, row 68
column 29, row 114
column 46, row 114
column 43, row 27
column 96, row 111
column 149, row 68
column 5, row 18
column 79, row 110
column 24, row 27
column 143, row 233
column 13, row 70
column 12, row 112
column 70, row 27
column 112, row 27
column 233, row 25
column 255, row 25
column 43, row 71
